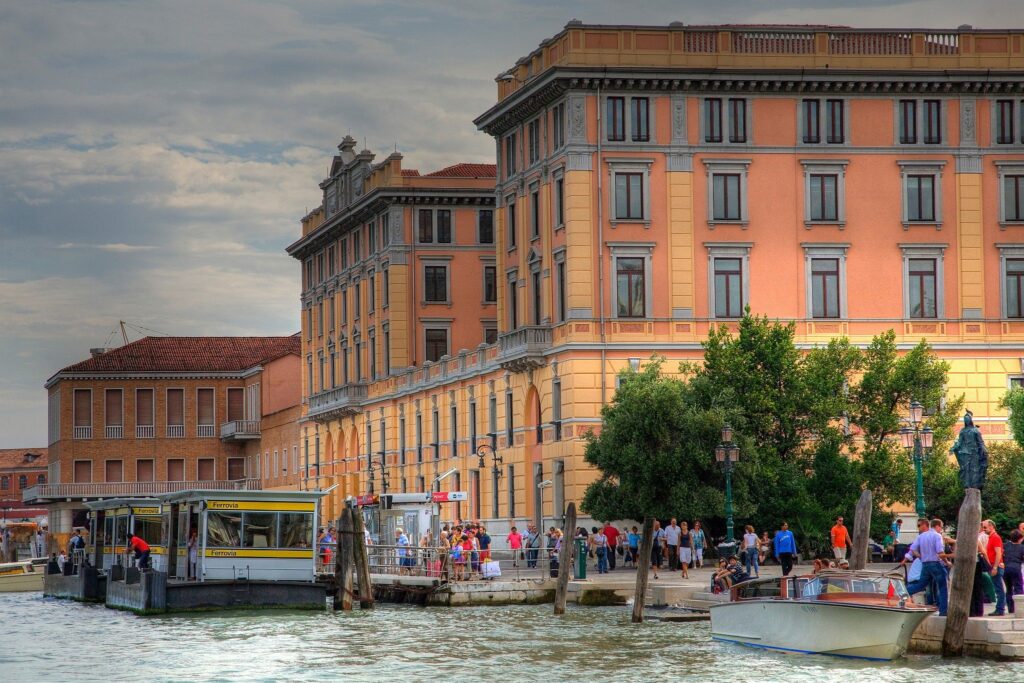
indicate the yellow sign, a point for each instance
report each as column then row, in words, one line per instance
column 259, row 506
column 146, row 511
column 298, row 553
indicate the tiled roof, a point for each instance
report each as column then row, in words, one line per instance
column 15, row 458
column 190, row 354
column 465, row 170
column 410, row 172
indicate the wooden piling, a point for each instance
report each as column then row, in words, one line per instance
column 642, row 570
column 343, row 573
column 965, row 559
column 565, row 558
column 861, row 530
column 361, row 560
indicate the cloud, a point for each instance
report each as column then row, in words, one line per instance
column 117, row 248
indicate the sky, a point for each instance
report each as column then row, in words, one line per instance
column 156, row 157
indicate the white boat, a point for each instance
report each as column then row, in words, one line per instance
column 21, row 576
column 860, row 614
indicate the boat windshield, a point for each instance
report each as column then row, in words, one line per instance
column 884, row 586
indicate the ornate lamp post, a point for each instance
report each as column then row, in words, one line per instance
column 383, row 471
column 921, row 441
column 495, row 470
column 727, row 454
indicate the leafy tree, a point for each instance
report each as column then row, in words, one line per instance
column 1003, row 495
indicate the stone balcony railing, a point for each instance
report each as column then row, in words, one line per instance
column 337, row 402
column 523, row 348
column 42, row 493
column 240, row 430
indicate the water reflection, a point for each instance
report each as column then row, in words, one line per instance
column 53, row 640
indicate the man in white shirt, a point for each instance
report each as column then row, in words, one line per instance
column 672, row 536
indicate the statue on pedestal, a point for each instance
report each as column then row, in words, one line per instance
column 971, row 454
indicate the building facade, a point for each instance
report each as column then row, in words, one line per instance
column 655, row 181
column 166, row 413
column 20, row 469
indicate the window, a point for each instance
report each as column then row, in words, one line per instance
column 824, row 201
column 727, row 196
column 320, row 317
column 83, row 472
column 534, row 212
column 308, row 271
column 344, row 305
column 371, row 238
column 561, row 307
column 511, row 222
column 373, row 355
column 629, row 196
column 41, row 479
column 387, row 351
column 559, row 201
column 236, row 404
column 22, row 481
column 824, row 191
column 490, row 284
column 536, row 291
column 435, row 284
column 485, row 226
column 533, row 133
column 1011, row 184
column 1005, row 126
column 932, row 122
column 331, row 264
column 615, row 122
column 630, row 287
column 385, row 286
column 812, row 121
column 426, row 226
column 435, row 433
column 5, row 483
column 922, row 192
column 1014, row 286
column 357, row 251
column 419, row 438
column 492, row 419
column 835, row 122
column 83, row 413
column 737, row 120
column 640, row 119
column 825, row 288
column 205, row 469
column 357, row 300
column 175, row 413
column 113, row 471
column 556, row 408
column 728, row 285
column 436, row 344
column 921, row 285
column 712, row 120
column 513, row 303
column 453, row 429
column 144, row 470
column 444, row 226
column 908, row 122
column 113, row 414
column 558, row 126
column 490, row 334
column 205, row 418
column 330, row 314
column 508, row 418
column 343, row 244
column 510, row 155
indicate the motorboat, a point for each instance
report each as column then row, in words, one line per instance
column 21, row 576
column 859, row 614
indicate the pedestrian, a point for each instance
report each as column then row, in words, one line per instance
column 994, row 552
column 599, row 544
column 764, row 548
column 193, row 555
column 40, row 544
column 1013, row 553
column 685, row 550
column 699, row 543
column 750, row 543
column 403, row 552
column 929, row 547
column 672, row 535
column 326, row 547
column 840, row 539
column 140, row 547
column 554, row 549
column 612, row 534
column 484, row 539
column 533, row 545
column 634, row 545
column 515, row 544
column 657, row 547
column 784, row 544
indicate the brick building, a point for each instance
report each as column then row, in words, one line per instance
column 166, row 413
column 20, row 469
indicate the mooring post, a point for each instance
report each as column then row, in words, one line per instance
column 642, row 570
column 362, row 560
column 344, row 567
column 965, row 558
column 861, row 530
column 565, row 559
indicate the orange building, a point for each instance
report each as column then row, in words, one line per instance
column 655, row 181
column 166, row 413
column 21, row 468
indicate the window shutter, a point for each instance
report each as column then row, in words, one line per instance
column 83, row 411
column 205, row 409
column 176, row 407
column 112, row 414
column 205, row 469
column 114, row 471
column 144, row 407
column 83, row 471
column 176, row 470
column 236, row 409
column 236, row 468
column 144, row 470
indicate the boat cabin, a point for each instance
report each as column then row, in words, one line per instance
column 111, row 519
column 252, row 535
column 847, row 586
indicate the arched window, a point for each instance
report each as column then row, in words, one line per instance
column 41, row 479
column 22, row 482
column 5, row 483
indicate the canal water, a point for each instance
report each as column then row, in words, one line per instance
column 53, row 640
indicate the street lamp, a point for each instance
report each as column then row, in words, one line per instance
column 921, row 441
column 383, row 471
column 727, row 454
column 495, row 471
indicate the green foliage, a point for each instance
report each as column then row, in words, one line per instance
column 1003, row 495
column 1013, row 401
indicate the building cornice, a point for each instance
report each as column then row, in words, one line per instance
column 103, row 376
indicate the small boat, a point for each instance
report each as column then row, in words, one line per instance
column 859, row 614
column 20, row 576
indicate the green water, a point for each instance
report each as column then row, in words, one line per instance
column 54, row 640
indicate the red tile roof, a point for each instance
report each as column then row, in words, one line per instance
column 16, row 458
column 190, row 354
column 465, row 170
column 410, row 173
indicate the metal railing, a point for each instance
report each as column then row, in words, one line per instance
column 110, row 489
column 175, row 431
column 240, row 429
column 113, row 431
column 346, row 398
column 82, row 433
column 145, row 431
column 205, row 430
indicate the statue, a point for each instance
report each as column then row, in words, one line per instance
column 971, row 454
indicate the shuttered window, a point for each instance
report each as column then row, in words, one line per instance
column 175, row 469
column 205, row 469
column 114, row 471
column 83, row 471
column 175, row 406
column 144, row 470
column 236, row 468
column 205, row 407
column 83, row 408
column 236, row 406
column 144, row 407
column 113, row 414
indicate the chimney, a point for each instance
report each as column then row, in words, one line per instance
column 99, row 351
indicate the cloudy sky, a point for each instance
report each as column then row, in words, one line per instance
column 155, row 157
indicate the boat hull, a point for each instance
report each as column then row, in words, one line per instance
column 812, row 627
column 18, row 583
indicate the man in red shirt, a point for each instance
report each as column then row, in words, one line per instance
column 613, row 540
column 141, row 549
column 840, row 539
column 994, row 550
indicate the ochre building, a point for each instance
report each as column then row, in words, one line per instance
column 652, row 182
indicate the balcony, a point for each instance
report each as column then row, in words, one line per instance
column 145, row 431
column 523, row 349
column 203, row 431
column 113, row 432
column 240, row 430
column 83, row 432
column 338, row 402
column 175, row 431
column 46, row 493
